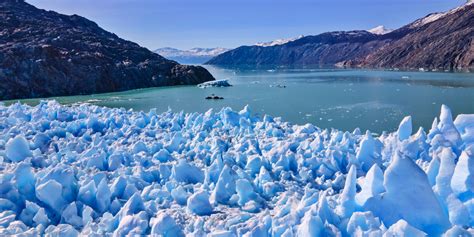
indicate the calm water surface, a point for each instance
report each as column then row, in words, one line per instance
column 343, row 99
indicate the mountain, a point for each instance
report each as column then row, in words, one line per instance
column 442, row 41
column 191, row 56
column 324, row 49
column 278, row 41
column 44, row 53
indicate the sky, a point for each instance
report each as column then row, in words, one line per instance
column 186, row 24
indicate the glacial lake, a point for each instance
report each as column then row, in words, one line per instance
column 327, row 98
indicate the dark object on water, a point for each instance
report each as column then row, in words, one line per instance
column 214, row 97
column 278, row 86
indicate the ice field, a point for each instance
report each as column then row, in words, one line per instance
column 89, row 170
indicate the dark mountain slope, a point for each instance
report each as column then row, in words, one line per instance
column 44, row 53
column 446, row 43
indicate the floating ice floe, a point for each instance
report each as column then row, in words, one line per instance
column 216, row 83
column 88, row 170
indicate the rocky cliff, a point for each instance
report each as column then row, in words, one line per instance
column 44, row 53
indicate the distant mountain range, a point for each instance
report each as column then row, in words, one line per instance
column 44, row 53
column 439, row 41
column 278, row 41
column 191, row 56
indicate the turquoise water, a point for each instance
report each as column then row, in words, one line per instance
column 343, row 99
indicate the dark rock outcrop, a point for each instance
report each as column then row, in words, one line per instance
column 44, row 53
column 438, row 41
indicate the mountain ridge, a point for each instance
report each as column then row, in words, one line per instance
column 361, row 48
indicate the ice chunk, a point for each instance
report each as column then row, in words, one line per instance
column 433, row 169
column 61, row 230
column 95, row 124
column 163, row 155
column 403, row 229
column 464, row 122
column 216, row 83
column 458, row 213
column 347, row 198
column 87, row 215
column 188, row 173
column 134, row 205
column 407, row 189
column 27, row 214
column 253, row 165
column 25, row 180
column 310, row 225
column 41, row 141
column 199, row 204
column 65, row 176
column 405, row 128
column 325, row 212
column 465, row 125
column 446, row 169
column 457, row 231
column 50, row 193
column 362, row 221
column 103, row 196
column 180, row 195
column 447, row 128
column 87, row 193
column 462, row 181
column 69, row 216
column 17, row 149
column 225, row 186
column 41, row 218
column 244, row 191
column 371, row 186
column 367, row 154
column 140, row 147
column 164, row 225
column 118, row 187
column 133, row 225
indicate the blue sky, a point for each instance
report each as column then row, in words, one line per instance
column 230, row 23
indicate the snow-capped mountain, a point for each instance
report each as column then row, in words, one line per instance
column 191, row 56
column 380, row 30
column 278, row 41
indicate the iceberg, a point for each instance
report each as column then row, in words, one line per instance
column 17, row 149
column 84, row 170
column 216, row 83
column 199, row 203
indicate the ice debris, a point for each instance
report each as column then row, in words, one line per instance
column 216, row 83
column 94, row 171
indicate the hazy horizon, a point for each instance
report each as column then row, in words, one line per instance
column 185, row 24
